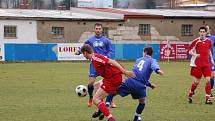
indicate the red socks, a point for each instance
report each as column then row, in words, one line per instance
column 103, row 108
column 192, row 89
column 207, row 91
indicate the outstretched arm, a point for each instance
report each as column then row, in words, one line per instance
column 211, row 57
column 116, row 64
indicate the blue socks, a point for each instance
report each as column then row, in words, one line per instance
column 108, row 100
column 90, row 90
column 212, row 83
column 139, row 110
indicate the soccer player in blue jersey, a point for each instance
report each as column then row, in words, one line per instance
column 100, row 45
column 142, row 69
column 212, row 38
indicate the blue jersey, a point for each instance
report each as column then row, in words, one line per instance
column 212, row 38
column 143, row 68
column 100, row 44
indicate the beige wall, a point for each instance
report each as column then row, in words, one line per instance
column 171, row 28
column 161, row 29
column 74, row 31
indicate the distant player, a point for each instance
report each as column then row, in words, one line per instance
column 200, row 65
column 111, row 72
column 212, row 38
column 142, row 69
column 101, row 45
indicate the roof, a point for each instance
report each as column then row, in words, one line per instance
column 159, row 13
column 102, row 14
column 55, row 14
column 175, row 13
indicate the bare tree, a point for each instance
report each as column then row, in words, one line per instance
column 53, row 4
column 16, row 3
column 7, row 4
column 36, row 4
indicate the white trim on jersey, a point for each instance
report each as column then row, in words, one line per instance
column 193, row 58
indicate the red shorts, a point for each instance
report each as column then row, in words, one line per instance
column 111, row 84
column 199, row 71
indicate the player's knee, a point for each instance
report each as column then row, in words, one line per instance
column 196, row 82
column 96, row 100
column 90, row 85
column 142, row 101
column 91, row 81
column 207, row 81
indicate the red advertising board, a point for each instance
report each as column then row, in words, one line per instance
column 174, row 51
column 182, row 51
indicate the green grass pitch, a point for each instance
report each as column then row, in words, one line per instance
column 46, row 92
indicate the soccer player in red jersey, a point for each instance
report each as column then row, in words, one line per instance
column 200, row 65
column 111, row 71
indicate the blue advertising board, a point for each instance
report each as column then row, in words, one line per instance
column 30, row 52
column 49, row 52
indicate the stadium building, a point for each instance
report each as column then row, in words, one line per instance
column 120, row 25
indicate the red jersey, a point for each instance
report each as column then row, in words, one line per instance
column 100, row 63
column 201, row 47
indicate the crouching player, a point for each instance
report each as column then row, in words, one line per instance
column 111, row 71
column 142, row 69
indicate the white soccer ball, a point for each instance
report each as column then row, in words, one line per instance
column 81, row 90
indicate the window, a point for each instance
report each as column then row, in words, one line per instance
column 144, row 29
column 58, row 32
column 187, row 30
column 9, row 31
column 105, row 31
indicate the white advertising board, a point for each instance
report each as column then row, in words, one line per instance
column 66, row 51
column 2, row 52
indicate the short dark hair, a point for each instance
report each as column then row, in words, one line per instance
column 86, row 48
column 148, row 50
column 203, row 27
column 97, row 24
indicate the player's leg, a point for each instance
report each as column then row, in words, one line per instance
column 109, row 101
column 207, row 91
column 91, row 81
column 109, row 98
column 212, row 81
column 196, row 76
column 139, row 93
column 97, row 99
column 98, row 113
column 90, row 90
column 96, row 87
column 139, row 110
column 207, row 74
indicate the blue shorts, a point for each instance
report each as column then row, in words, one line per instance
column 213, row 67
column 133, row 87
column 92, row 71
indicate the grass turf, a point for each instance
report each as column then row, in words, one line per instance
column 46, row 92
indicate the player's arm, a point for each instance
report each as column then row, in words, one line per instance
column 116, row 64
column 109, row 48
column 151, row 85
column 156, row 67
column 211, row 57
column 78, row 52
